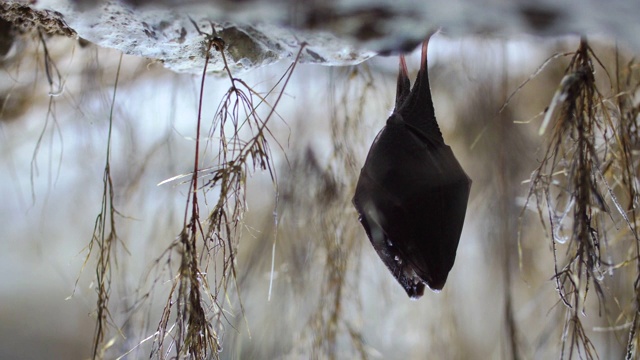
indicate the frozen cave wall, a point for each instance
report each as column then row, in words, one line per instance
column 339, row 32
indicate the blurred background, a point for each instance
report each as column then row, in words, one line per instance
column 309, row 281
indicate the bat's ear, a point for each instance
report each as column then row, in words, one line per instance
column 404, row 84
column 423, row 56
column 421, row 86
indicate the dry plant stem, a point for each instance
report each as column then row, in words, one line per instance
column 577, row 126
column 53, row 75
column 503, row 181
column 574, row 182
column 198, row 304
column 628, row 135
column 331, row 322
column 105, row 221
column 195, row 333
column 50, row 67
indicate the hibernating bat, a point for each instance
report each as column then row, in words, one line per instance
column 412, row 193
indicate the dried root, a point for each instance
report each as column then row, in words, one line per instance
column 585, row 180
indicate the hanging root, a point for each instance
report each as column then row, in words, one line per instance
column 208, row 249
column 586, row 168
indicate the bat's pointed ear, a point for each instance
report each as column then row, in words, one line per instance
column 417, row 109
column 425, row 45
column 423, row 57
column 404, row 84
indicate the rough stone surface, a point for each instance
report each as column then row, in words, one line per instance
column 339, row 32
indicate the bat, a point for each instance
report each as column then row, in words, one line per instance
column 412, row 193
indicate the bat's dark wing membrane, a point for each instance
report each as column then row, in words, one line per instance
column 375, row 221
column 412, row 193
column 411, row 197
column 433, row 213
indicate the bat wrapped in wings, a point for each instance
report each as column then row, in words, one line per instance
column 412, row 193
